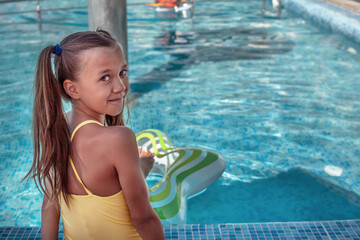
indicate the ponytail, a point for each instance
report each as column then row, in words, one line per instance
column 51, row 137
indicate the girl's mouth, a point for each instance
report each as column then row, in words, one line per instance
column 116, row 100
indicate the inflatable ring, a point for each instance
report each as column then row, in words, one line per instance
column 186, row 172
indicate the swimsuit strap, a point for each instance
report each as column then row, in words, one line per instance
column 70, row 159
column 78, row 177
column 82, row 124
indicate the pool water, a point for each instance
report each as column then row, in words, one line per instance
column 277, row 98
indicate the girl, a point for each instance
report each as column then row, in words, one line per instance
column 86, row 161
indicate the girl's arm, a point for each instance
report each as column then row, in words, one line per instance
column 50, row 216
column 134, row 187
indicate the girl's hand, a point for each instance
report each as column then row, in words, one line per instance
column 146, row 160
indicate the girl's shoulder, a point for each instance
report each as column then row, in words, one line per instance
column 108, row 134
column 112, row 139
column 109, row 143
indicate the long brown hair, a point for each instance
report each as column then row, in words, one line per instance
column 52, row 146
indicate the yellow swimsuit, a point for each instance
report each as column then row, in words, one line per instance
column 95, row 217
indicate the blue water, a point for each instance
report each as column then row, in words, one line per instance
column 277, row 98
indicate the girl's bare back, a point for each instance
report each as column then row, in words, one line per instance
column 90, row 159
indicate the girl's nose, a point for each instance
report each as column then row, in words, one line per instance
column 120, row 85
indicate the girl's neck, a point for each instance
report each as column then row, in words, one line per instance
column 78, row 115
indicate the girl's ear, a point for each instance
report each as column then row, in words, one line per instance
column 71, row 88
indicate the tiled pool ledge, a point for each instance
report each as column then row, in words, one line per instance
column 344, row 229
column 328, row 16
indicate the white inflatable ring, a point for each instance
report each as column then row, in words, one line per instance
column 186, row 171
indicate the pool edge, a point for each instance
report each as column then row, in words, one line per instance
column 334, row 229
column 328, row 16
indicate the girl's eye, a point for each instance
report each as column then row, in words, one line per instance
column 123, row 73
column 105, row 78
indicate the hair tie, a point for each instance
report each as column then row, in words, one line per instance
column 57, row 51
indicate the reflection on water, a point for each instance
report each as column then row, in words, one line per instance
column 191, row 48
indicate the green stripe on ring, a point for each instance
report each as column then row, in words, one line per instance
column 166, row 192
column 171, row 209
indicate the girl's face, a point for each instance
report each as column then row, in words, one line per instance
column 102, row 81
